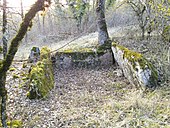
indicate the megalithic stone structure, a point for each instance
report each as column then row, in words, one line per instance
column 136, row 68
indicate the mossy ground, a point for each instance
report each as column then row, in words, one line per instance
column 14, row 124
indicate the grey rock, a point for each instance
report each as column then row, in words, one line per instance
column 34, row 55
column 139, row 71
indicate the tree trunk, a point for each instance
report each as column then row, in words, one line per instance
column 38, row 6
column 3, row 94
column 103, row 35
column 4, row 29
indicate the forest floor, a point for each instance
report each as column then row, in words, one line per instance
column 91, row 98
column 88, row 98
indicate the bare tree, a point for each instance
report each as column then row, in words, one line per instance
column 139, row 10
column 5, row 64
column 103, row 35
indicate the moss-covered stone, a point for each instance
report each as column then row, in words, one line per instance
column 45, row 53
column 135, row 66
column 41, row 76
column 82, row 57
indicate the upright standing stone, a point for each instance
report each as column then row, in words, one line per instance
column 34, row 55
column 137, row 69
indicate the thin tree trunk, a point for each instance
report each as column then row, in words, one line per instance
column 103, row 35
column 38, row 6
column 4, row 29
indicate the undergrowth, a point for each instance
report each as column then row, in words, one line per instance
column 124, row 109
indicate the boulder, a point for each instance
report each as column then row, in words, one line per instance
column 136, row 68
column 41, row 77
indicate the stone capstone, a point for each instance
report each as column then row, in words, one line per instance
column 72, row 58
column 137, row 69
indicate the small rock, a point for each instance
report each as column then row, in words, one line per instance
column 46, row 109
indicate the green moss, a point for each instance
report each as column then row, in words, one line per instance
column 166, row 33
column 12, row 69
column 14, row 124
column 15, row 76
column 45, row 53
column 25, row 78
column 1, row 62
column 134, row 57
column 77, row 54
column 34, row 49
column 83, row 53
column 105, row 46
column 1, row 49
column 80, row 50
column 24, row 65
column 41, row 76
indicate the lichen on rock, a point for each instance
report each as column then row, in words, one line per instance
column 138, row 70
column 41, row 76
